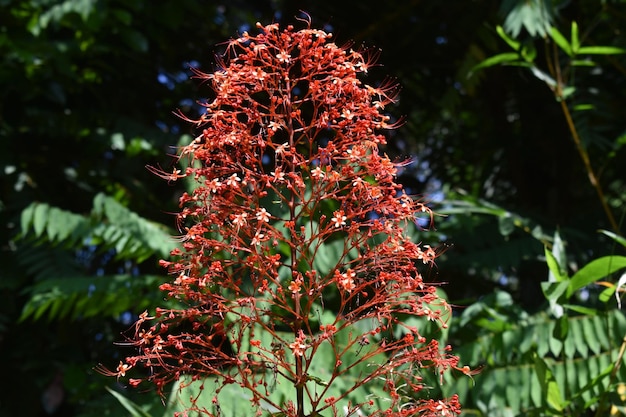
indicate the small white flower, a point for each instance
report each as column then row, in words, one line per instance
column 240, row 219
column 282, row 148
column 262, row 215
column 215, row 185
column 283, row 57
column 318, row 173
column 233, row 180
column 257, row 239
column 339, row 218
column 278, row 176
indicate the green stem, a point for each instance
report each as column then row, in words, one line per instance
column 554, row 68
column 593, row 179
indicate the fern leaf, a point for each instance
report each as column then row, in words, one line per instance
column 40, row 218
column 86, row 296
column 580, row 370
column 150, row 234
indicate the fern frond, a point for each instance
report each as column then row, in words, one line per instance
column 135, row 236
column 86, row 296
column 581, row 364
column 110, row 226
column 50, row 252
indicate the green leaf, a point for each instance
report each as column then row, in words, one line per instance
column 582, row 63
column 575, row 40
column 594, row 271
column 554, row 290
column 567, row 92
column 510, row 41
column 619, row 239
column 26, row 218
column 583, row 107
column 561, row 329
column 558, row 250
column 560, row 40
column 506, row 224
column 55, row 225
column 556, row 344
column 579, row 337
column 555, row 268
column 601, row 50
column 135, row 39
column 595, row 381
column 529, row 52
column 607, row 293
column 40, row 218
column 549, row 386
column 533, row 15
column 582, row 310
column 134, row 409
column 504, row 58
column 85, row 296
column 543, row 76
column 569, row 347
column 602, row 330
column 146, row 237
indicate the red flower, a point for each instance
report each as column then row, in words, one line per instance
column 295, row 205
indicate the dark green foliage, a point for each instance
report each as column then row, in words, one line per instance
column 63, row 289
column 110, row 226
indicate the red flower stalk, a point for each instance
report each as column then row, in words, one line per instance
column 295, row 241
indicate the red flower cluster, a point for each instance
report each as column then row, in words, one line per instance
column 296, row 212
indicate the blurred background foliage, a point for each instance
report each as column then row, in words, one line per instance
column 88, row 92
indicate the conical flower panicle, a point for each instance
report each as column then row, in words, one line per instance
column 296, row 212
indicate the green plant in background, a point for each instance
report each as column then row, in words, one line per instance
column 65, row 289
column 567, row 358
column 560, row 77
column 565, row 361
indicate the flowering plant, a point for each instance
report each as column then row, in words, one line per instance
column 294, row 242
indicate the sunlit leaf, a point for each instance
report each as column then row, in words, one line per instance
column 583, row 107
column 40, row 218
column 503, row 58
column 529, row 52
column 557, row 272
column 543, row 76
column 594, row 271
column 509, row 40
column 619, row 239
column 601, row 50
column 580, row 309
column 582, row 63
column 533, row 15
column 560, row 40
column 550, row 388
column 567, row 92
column 575, row 40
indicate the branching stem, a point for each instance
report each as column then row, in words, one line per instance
column 554, row 67
column 593, row 179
